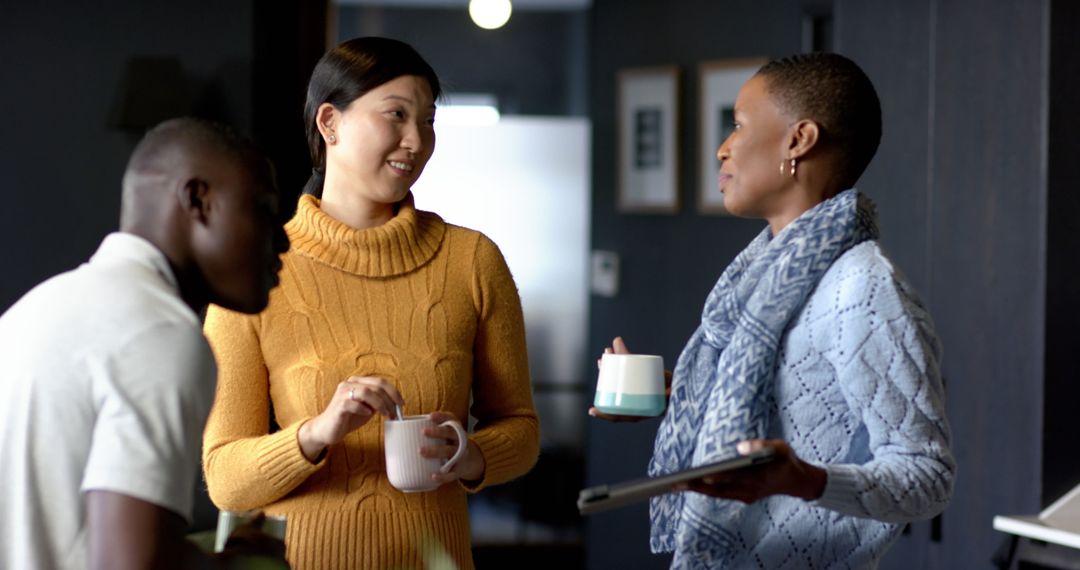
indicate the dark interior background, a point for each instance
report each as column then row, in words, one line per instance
column 973, row 180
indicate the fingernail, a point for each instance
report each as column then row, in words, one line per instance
column 743, row 447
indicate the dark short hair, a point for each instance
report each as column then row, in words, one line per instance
column 835, row 93
column 346, row 73
column 191, row 134
column 186, row 138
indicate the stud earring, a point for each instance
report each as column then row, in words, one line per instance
column 332, row 139
column 793, row 168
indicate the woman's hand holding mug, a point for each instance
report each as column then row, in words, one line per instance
column 425, row 452
column 470, row 467
column 607, row 383
column 354, row 403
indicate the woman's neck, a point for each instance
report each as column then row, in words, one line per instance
column 799, row 201
column 345, row 205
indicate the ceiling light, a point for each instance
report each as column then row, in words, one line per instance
column 490, row 14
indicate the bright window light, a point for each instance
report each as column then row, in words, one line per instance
column 490, row 14
column 468, row 109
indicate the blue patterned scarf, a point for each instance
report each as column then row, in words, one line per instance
column 723, row 378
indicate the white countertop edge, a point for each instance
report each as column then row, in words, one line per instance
column 1032, row 527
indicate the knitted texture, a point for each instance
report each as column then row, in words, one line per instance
column 429, row 306
column 857, row 391
column 726, row 371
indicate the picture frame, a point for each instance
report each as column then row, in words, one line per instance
column 647, row 139
column 720, row 81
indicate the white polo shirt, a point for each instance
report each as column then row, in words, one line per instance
column 106, row 381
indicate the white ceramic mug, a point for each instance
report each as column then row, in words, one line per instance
column 406, row 468
column 631, row 385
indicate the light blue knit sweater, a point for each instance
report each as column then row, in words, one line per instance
column 858, row 391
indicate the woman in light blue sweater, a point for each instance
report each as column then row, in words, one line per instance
column 812, row 343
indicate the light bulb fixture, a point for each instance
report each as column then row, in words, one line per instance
column 490, row 14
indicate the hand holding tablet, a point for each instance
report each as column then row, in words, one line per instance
column 604, row 497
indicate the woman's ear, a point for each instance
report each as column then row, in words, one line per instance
column 326, row 118
column 804, row 136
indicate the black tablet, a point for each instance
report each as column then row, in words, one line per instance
column 604, row 497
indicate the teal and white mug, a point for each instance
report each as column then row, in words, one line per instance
column 631, row 385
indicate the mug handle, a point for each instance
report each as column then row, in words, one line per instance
column 463, row 442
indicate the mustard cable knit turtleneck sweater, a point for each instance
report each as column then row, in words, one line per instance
column 429, row 306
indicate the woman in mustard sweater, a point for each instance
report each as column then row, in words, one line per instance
column 380, row 304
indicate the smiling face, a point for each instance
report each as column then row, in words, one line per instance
column 750, row 176
column 382, row 140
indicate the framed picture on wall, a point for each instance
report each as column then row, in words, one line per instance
column 720, row 83
column 647, row 139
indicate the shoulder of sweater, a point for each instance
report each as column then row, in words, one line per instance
column 861, row 270
column 476, row 241
column 224, row 326
column 866, row 257
column 861, row 294
column 461, row 232
column 863, row 283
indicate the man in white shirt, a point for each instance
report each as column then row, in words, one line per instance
column 106, row 379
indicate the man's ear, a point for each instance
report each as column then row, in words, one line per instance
column 804, row 136
column 194, row 198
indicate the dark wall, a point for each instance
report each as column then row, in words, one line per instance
column 987, row 252
column 60, row 71
column 960, row 180
column 289, row 38
column 535, row 64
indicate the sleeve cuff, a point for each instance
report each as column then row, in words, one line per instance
column 282, row 462
column 502, row 460
column 841, row 490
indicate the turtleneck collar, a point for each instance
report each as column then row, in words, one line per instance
column 409, row 240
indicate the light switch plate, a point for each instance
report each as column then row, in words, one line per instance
column 604, row 274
